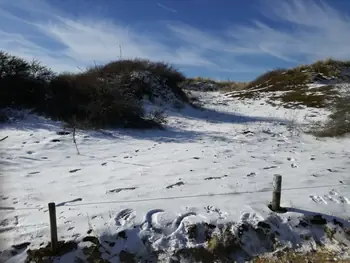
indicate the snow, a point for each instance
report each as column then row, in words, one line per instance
column 214, row 166
column 315, row 85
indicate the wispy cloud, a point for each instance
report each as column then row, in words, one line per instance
column 80, row 41
column 167, row 8
column 314, row 31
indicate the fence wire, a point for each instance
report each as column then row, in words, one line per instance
column 64, row 204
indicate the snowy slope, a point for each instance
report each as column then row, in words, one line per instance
column 213, row 166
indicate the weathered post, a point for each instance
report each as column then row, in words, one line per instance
column 53, row 227
column 276, row 195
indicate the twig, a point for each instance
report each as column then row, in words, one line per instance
column 75, row 142
column 4, row 138
column 79, row 68
column 120, row 52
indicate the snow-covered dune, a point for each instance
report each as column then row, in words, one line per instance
column 212, row 166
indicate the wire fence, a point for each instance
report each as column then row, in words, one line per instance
column 51, row 208
column 123, row 201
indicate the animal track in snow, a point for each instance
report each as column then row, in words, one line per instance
column 331, row 197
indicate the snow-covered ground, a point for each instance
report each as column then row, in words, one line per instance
column 214, row 166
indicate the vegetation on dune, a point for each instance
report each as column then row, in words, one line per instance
column 338, row 123
column 285, row 79
column 112, row 95
column 290, row 86
column 207, row 84
column 101, row 96
column 23, row 84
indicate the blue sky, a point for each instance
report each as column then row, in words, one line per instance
column 222, row 39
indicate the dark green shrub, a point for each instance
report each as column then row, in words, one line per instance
column 110, row 95
column 23, row 84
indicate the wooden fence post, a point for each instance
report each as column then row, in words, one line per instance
column 277, row 190
column 53, row 227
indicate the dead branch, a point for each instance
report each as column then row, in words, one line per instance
column 74, row 141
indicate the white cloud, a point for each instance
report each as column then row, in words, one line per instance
column 167, row 8
column 319, row 31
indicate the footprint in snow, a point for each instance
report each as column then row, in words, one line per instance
column 21, row 246
column 211, row 209
column 318, row 199
column 293, row 165
column 177, row 222
column 148, row 218
column 162, row 222
column 32, row 173
column 62, row 133
column 12, row 222
column 244, row 217
column 251, row 174
column 76, row 235
column 176, row 184
column 74, row 170
column 117, row 190
column 71, row 201
column 215, row 177
column 331, row 197
column 270, row 167
column 124, row 216
column 14, row 250
column 332, row 170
